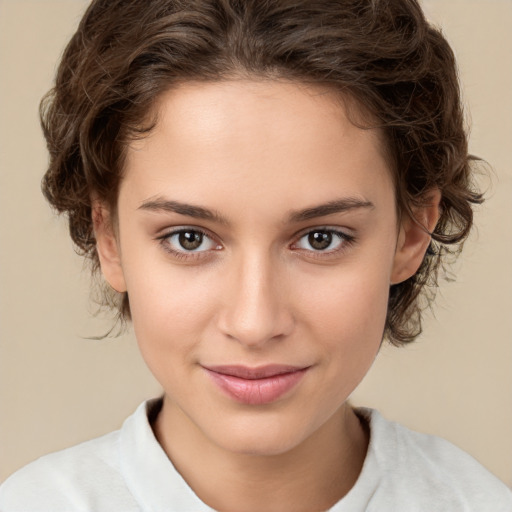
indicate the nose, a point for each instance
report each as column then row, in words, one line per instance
column 256, row 309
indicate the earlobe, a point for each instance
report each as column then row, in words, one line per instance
column 414, row 238
column 107, row 247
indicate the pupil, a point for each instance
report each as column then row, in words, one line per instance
column 190, row 240
column 320, row 239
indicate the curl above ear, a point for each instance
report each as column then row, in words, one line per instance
column 107, row 246
column 414, row 237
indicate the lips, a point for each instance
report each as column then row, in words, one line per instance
column 256, row 386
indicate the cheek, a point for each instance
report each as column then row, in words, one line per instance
column 352, row 306
column 170, row 308
column 346, row 319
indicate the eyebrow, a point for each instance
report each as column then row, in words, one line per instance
column 198, row 212
column 330, row 208
column 190, row 210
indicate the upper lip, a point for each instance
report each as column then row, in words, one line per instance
column 260, row 372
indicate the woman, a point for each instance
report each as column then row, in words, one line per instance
column 267, row 187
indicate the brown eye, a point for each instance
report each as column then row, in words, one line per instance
column 328, row 241
column 186, row 240
column 320, row 240
column 190, row 240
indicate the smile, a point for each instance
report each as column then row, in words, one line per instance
column 255, row 386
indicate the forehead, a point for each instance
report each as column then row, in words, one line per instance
column 265, row 101
column 279, row 140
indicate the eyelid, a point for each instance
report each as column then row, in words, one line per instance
column 184, row 254
column 346, row 240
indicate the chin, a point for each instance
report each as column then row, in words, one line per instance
column 263, row 446
column 260, row 438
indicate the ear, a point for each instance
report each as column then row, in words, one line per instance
column 414, row 238
column 107, row 246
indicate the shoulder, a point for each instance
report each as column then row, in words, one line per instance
column 432, row 471
column 69, row 480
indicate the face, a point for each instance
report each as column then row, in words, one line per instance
column 257, row 240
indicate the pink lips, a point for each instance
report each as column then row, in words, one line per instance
column 256, row 386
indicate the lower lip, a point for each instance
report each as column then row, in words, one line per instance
column 256, row 391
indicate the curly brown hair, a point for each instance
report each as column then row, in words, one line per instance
column 382, row 53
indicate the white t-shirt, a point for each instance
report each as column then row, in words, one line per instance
column 128, row 471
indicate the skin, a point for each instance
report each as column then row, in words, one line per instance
column 257, row 292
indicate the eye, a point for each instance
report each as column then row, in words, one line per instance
column 323, row 240
column 188, row 240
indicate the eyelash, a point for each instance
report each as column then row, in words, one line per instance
column 345, row 241
column 184, row 254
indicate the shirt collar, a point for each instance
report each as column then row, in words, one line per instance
column 149, row 474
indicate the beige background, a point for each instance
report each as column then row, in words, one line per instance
column 57, row 388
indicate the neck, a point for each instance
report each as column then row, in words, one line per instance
column 311, row 476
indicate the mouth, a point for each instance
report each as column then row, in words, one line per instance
column 256, row 386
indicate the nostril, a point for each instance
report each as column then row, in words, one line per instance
column 257, row 326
